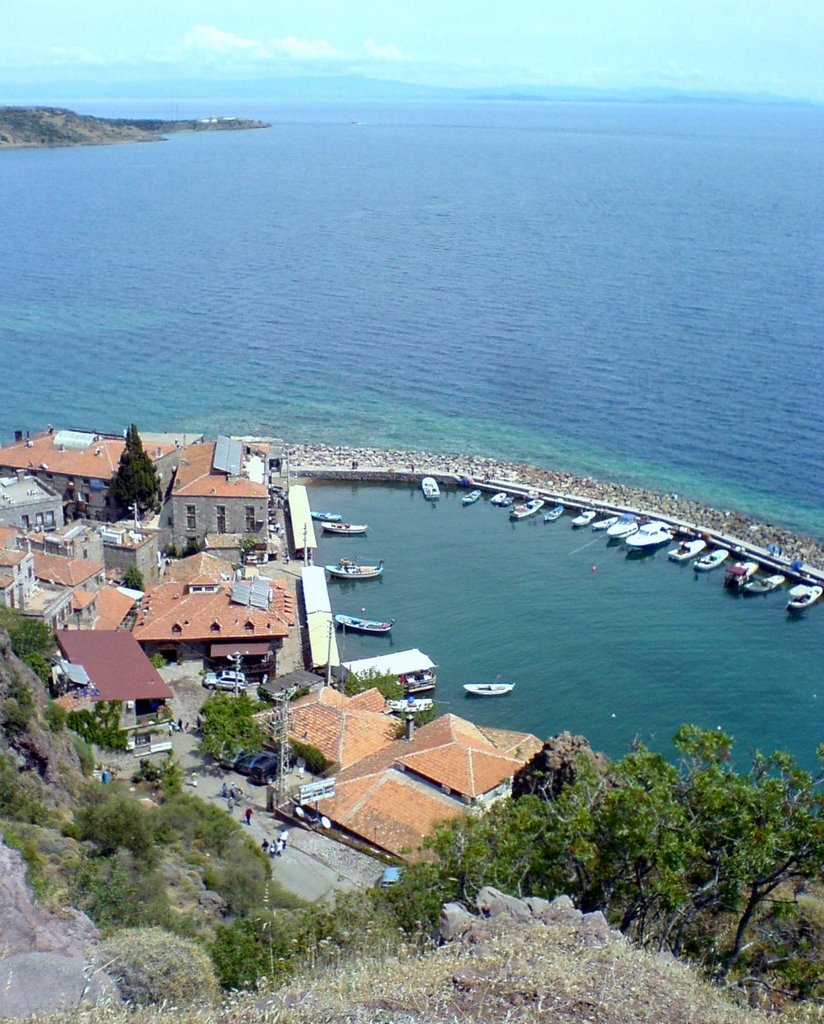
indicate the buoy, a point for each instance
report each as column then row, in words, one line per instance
column 595, row 568
column 612, row 715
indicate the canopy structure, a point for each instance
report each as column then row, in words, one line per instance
column 323, row 644
column 402, row 663
column 300, row 517
column 253, row 648
column 315, row 590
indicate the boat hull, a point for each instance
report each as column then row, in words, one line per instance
column 488, row 689
column 351, row 571
column 553, row 514
column 370, row 626
column 345, row 529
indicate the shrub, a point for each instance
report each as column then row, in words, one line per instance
column 55, row 717
column 100, row 725
column 158, row 660
column 86, row 754
column 133, row 578
column 154, row 966
column 18, row 799
column 110, row 820
column 315, row 760
column 18, row 707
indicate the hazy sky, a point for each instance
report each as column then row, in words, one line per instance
column 775, row 46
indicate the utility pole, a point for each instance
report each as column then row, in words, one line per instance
column 329, row 657
column 133, row 507
column 279, row 733
column 236, row 659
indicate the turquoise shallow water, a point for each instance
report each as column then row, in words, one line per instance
column 598, row 643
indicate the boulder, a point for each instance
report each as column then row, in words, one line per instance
column 492, row 904
column 455, row 920
column 47, row 982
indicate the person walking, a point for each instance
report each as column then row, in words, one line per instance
column 249, row 816
column 224, row 791
column 284, row 836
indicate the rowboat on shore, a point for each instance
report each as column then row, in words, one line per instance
column 802, row 596
column 471, row 498
column 687, row 550
column 348, row 570
column 327, row 517
column 584, row 518
column 356, row 625
column 529, row 509
column 429, row 486
column 488, row 689
column 554, row 513
column 711, row 560
column 765, row 585
column 345, row 529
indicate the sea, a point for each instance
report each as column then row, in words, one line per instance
column 627, row 291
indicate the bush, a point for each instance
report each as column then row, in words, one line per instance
column 119, row 891
column 111, row 820
column 18, row 707
column 18, row 799
column 315, row 760
column 55, row 716
column 100, row 725
column 133, row 578
column 85, row 752
column 154, row 966
column 158, row 660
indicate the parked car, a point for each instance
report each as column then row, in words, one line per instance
column 264, row 769
column 227, row 679
column 244, row 764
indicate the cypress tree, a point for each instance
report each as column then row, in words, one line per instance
column 136, row 479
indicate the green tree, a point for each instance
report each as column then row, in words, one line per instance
column 386, row 684
column 136, row 480
column 133, row 578
column 111, row 820
column 229, row 726
column 17, row 708
column 31, row 640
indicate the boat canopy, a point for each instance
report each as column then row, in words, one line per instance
column 300, row 516
column 401, row 663
column 315, row 590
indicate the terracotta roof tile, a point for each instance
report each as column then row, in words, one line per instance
column 8, row 537
column 195, row 477
column 112, row 608
column 8, row 556
column 344, row 732
column 82, row 599
column 5, row 580
column 40, row 449
column 66, row 572
column 197, row 568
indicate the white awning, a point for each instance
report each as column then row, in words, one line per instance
column 400, row 664
column 315, row 590
column 300, row 516
column 323, row 644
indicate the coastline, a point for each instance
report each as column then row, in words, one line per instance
column 324, row 461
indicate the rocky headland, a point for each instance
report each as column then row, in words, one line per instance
column 27, row 127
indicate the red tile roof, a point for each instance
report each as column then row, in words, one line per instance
column 198, row 568
column 65, row 572
column 40, row 450
column 114, row 663
column 8, row 537
column 345, row 729
column 112, row 608
column 195, row 477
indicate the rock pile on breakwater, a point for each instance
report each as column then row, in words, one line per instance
column 372, row 462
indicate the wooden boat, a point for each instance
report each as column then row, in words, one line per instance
column 529, row 509
column 625, row 527
column 471, row 498
column 348, row 570
column 765, row 585
column 327, row 517
column 488, row 689
column 687, row 550
column 738, row 574
column 357, row 625
column 604, row 524
column 584, row 518
column 347, row 529
column 802, row 596
column 554, row 513
column 711, row 560
column 429, row 486
column 414, row 704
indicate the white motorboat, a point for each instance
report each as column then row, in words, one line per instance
column 711, row 560
column 627, row 525
column 429, row 486
column 584, row 518
column 529, row 509
column 802, row 596
column 650, row 535
column 765, row 585
column 687, row 550
column 739, row 573
column 488, row 689
column 604, row 524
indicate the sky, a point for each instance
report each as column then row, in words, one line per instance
column 743, row 46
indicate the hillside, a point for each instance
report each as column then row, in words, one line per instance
column 53, row 126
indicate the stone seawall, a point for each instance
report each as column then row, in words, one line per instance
column 730, row 528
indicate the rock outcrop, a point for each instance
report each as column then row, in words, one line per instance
column 553, row 767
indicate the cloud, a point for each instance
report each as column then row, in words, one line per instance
column 210, row 42
column 308, row 49
column 388, row 52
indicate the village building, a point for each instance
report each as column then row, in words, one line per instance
column 214, row 620
column 344, row 729
column 74, row 573
column 72, row 540
column 125, row 548
column 108, row 665
column 26, row 504
column 21, row 590
column 218, row 489
column 394, row 798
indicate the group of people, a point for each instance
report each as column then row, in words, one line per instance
column 275, row 848
column 232, row 794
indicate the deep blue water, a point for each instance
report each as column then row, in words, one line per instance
column 630, row 291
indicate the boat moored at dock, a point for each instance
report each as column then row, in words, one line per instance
column 471, row 498
column 584, row 518
column 802, row 596
column 604, row 524
column 738, row 574
column 430, row 488
column 345, row 529
column 649, row 536
column 349, row 570
column 554, row 513
column 687, row 550
column 327, row 517
column 357, row 625
column 415, row 671
column 765, row 585
column 533, row 506
column 627, row 525
column 712, row 559
column 413, row 704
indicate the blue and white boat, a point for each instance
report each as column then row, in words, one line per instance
column 471, row 498
column 529, row 509
column 712, row 559
column 554, row 513
column 500, row 500
column 348, row 570
column 327, row 517
column 357, row 625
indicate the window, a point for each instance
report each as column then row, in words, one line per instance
column 250, row 518
column 220, row 512
column 191, row 517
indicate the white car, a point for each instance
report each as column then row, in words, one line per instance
column 228, row 679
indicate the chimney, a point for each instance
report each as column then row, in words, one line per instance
column 18, row 436
column 409, row 728
column 21, row 475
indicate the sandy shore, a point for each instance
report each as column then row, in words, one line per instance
column 370, row 463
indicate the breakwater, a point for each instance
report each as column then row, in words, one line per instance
column 725, row 527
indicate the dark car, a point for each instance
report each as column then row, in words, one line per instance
column 265, row 769
column 243, row 765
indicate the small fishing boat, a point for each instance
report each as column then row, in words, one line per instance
column 346, row 529
column 498, row 499
column 348, row 570
column 687, row 550
column 711, row 560
column 765, row 585
column 357, row 625
column 650, row 535
column 414, row 704
column 429, row 486
column 554, row 513
column 471, row 498
column 327, row 517
column 488, row 689
column 802, row 596
column 529, row 509
column 584, row 518
column 627, row 525
column 738, row 574
column 604, row 524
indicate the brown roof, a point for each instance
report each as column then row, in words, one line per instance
column 198, row 568
column 345, row 729
column 5, row 580
column 8, row 556
column 40, row 450
column 112, row 608
column 8, row 537
column 82, row 599
column 66, row 572
column 114, row 663
column 195, row 477
column 169, row 612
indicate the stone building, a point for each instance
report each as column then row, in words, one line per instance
column 26, row 504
